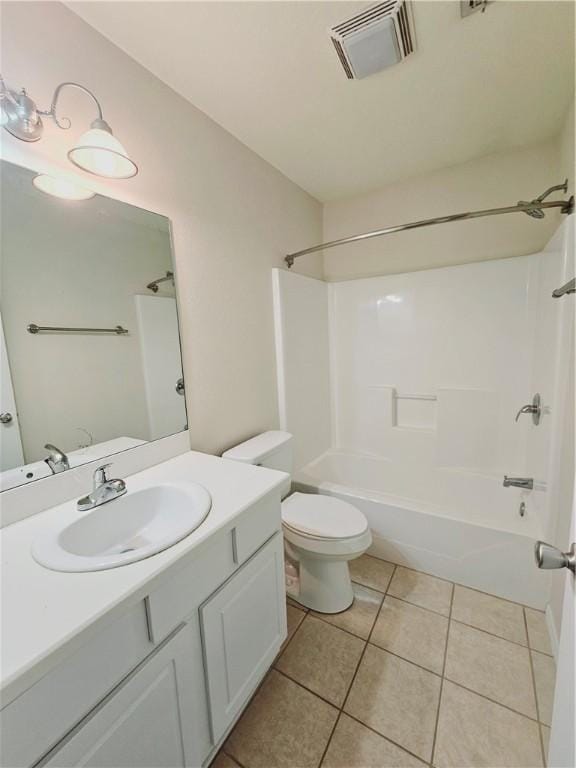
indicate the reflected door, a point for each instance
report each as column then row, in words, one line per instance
column 160, row 348
column 11, row 454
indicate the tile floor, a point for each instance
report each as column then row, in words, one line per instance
column 417, row 672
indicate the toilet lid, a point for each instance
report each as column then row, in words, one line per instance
column 322, row 516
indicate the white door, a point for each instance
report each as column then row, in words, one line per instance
column 562, row 751
column 160, row 348
column 11, row 454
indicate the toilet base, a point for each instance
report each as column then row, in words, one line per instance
column 325, row 585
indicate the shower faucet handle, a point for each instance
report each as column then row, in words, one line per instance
column 535, row 408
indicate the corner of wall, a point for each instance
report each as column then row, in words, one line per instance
column 567, row 141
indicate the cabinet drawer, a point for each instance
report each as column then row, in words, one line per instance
column 148, row 721
column 37, row 719
column 243, row 626
column 256, row 525
column 172, row 602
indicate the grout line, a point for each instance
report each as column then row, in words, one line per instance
column 417, row 605
column 354, row 676
column 305, row 687
column 494, row 701
column 330, row 737
column 349, row 714
column 442, row 678
column 386, row 738
column 457, row 584
column 348, row 631
column 369, row 586
column 234, row 760
column 342, row 629
column 533, row 676
column 367, row 641
column 530, row 646
column 496, row 597
column 541, row 727
column 492, row 634
column 403, row 658
column 424, row 573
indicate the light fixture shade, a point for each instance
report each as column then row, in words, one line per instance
column 63, row 188
column 99, row 152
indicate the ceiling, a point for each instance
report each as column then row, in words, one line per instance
column 267, row 73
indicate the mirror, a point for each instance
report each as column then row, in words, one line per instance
column 90, row 351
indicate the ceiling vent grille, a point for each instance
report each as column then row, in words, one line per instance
column 374, row 39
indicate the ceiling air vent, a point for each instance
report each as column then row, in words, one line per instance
column 374, row 39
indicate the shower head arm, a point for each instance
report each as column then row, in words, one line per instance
column 559, row 187
column 153, row 286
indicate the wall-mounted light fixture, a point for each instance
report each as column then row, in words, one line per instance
column 96, row 151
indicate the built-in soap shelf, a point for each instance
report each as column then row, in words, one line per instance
column 411, row 410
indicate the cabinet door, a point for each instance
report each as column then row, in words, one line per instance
column 243, row 627
column 145, row 723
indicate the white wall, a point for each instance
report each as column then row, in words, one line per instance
column 490, row 182
column 76, row 264
column 302, row 352
column 234, row 216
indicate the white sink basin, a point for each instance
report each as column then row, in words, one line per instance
column 130, row 528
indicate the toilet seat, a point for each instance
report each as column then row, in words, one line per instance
column 322, row 518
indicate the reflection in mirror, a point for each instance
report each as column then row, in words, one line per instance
column 89, row 346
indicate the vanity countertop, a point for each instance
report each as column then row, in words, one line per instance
column 48, row 614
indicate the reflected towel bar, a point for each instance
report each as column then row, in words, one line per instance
column 33, row 328
column 569, row 287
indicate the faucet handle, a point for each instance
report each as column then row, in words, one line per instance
column 100, row 475
column 524, row 409
column 535, row 408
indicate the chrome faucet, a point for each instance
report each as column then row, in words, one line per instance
column 519, row 482
column 57, row 459
column 104, row 490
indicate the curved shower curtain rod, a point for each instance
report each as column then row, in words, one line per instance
column 535, row 208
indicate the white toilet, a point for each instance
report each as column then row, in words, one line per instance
column 321, row 533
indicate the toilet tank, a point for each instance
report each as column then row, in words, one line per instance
column 270, row 449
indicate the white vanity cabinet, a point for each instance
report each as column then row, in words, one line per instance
column 143, row 722
column 243, row 626
column 163, row 683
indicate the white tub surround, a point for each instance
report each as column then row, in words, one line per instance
column 70, row 639
column 303, row 362
column 428, row 371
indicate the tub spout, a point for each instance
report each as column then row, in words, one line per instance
column 518, row 482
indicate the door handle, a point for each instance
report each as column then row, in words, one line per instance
column 548, row 556
column 5, row 418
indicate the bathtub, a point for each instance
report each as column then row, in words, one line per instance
column 454, row 524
